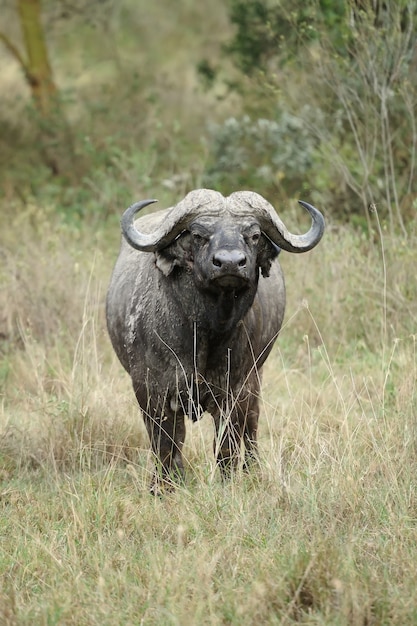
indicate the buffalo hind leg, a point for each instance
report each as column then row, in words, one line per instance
column 167, row 435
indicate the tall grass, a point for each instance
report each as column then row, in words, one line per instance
column 324, row 532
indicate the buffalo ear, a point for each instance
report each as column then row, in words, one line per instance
column 177, row 254
column 267, row 252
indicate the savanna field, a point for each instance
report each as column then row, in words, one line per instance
column 324, row 531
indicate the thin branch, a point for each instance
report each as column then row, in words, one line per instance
column 14, row 51
column 409, row 103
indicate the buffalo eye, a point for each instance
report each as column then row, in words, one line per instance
column 253, row 238
column 199, row 239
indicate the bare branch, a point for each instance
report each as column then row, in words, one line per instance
column 14, row 51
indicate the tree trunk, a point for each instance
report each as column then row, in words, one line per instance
column 38, row 69
column 55, row 137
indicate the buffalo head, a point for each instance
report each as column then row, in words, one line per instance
column 225, row 241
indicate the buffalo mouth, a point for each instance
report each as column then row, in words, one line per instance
column 230, row 282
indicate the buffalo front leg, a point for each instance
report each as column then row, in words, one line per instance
column 166, row 435
column 250, row 432
column 241, row 421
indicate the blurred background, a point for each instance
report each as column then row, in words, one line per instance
column 105, row 102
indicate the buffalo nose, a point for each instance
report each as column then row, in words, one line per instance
column 229, row 258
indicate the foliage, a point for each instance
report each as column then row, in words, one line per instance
column 126, row 102
column 375, row 96
column 356, row 65
column 134, row 102
column 273, row 155
column 265, row 30
column 50, row 122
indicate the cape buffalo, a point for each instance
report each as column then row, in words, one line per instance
column 194, row 306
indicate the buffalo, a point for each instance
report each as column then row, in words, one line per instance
column 195, row 304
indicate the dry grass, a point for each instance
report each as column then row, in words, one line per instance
column 323, row 533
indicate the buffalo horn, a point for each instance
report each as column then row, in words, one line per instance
column 176, row 220
column 244, row 202
column 279, row 234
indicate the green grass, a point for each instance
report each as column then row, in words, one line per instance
column 324, row 532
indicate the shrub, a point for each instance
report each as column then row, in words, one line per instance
column 262, row 154
column 353, row 64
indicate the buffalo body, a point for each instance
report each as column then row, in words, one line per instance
column 195, row 304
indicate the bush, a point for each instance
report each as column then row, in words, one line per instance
column 264, row 154
column 353, row 64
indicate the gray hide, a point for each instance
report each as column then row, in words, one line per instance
column 194, row 306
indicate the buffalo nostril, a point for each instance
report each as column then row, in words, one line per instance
column 229, row 258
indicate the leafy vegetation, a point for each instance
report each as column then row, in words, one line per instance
column 324, row 531
column 357, row 102
column 261, row 153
